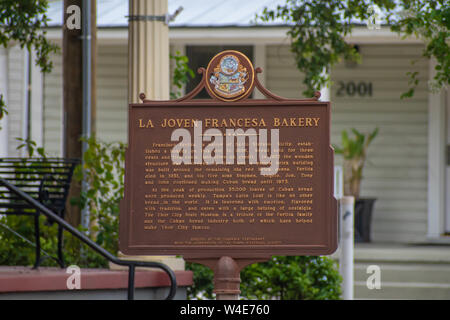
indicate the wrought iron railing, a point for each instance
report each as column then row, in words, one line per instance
column 129, row 263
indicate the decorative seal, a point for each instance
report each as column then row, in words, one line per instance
column 230, row 76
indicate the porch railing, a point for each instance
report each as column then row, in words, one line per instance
column 83, row 238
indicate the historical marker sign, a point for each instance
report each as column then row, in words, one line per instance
column 229, row 176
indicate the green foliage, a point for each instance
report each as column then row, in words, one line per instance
column 292, row 278
column 203, row 282
column 23, row 21
column 31, row 147
column 17, row 251
column 284, row 278
column 354, row 152
column 103, row 169
column 77, row 253
column 17, row 232
column 17, row 238
column 318, row 30
column 357, row 147
column 17, row 246
column 429, row 21
column 3, row 110
column 181, row 73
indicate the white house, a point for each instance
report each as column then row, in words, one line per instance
column 407, row 170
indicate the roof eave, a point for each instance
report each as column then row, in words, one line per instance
column 231, row 34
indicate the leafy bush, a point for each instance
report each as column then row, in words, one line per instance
column 103, row 169
column 203, row 285
column 292, row 278
column 17, row 244
column 280, row 278
column 15, row 250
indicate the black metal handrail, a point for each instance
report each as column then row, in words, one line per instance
column 130, row 263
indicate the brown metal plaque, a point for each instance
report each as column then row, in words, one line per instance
column 188, row 190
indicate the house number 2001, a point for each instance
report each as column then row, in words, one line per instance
column 351, row 89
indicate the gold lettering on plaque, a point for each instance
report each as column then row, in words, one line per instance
column 296, row 122
column 145, row 124
column 202, row 197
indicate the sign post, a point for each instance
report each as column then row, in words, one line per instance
column 229, row 181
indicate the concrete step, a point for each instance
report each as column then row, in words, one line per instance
column 403, row 291
column 406, row 271
column 410, row 273
column 407, row 254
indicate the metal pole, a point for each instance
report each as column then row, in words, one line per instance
column 347, row 205
column 86, row 126
column 28, row 95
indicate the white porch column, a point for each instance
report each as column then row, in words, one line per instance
column 436, row 160
column 4, row 91
column 148, row 50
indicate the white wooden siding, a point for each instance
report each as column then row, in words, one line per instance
column 111, row 98
column 112, row 93
column 16, row 89
column 53, row 108
column 396, row 173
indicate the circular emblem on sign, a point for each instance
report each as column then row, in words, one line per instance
column 230, row 76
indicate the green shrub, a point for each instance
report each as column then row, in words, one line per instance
column 203, row 285
column 17, row 244
column 103, row 169
column 292, row 278
column 14, row 250
column 280, row 278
